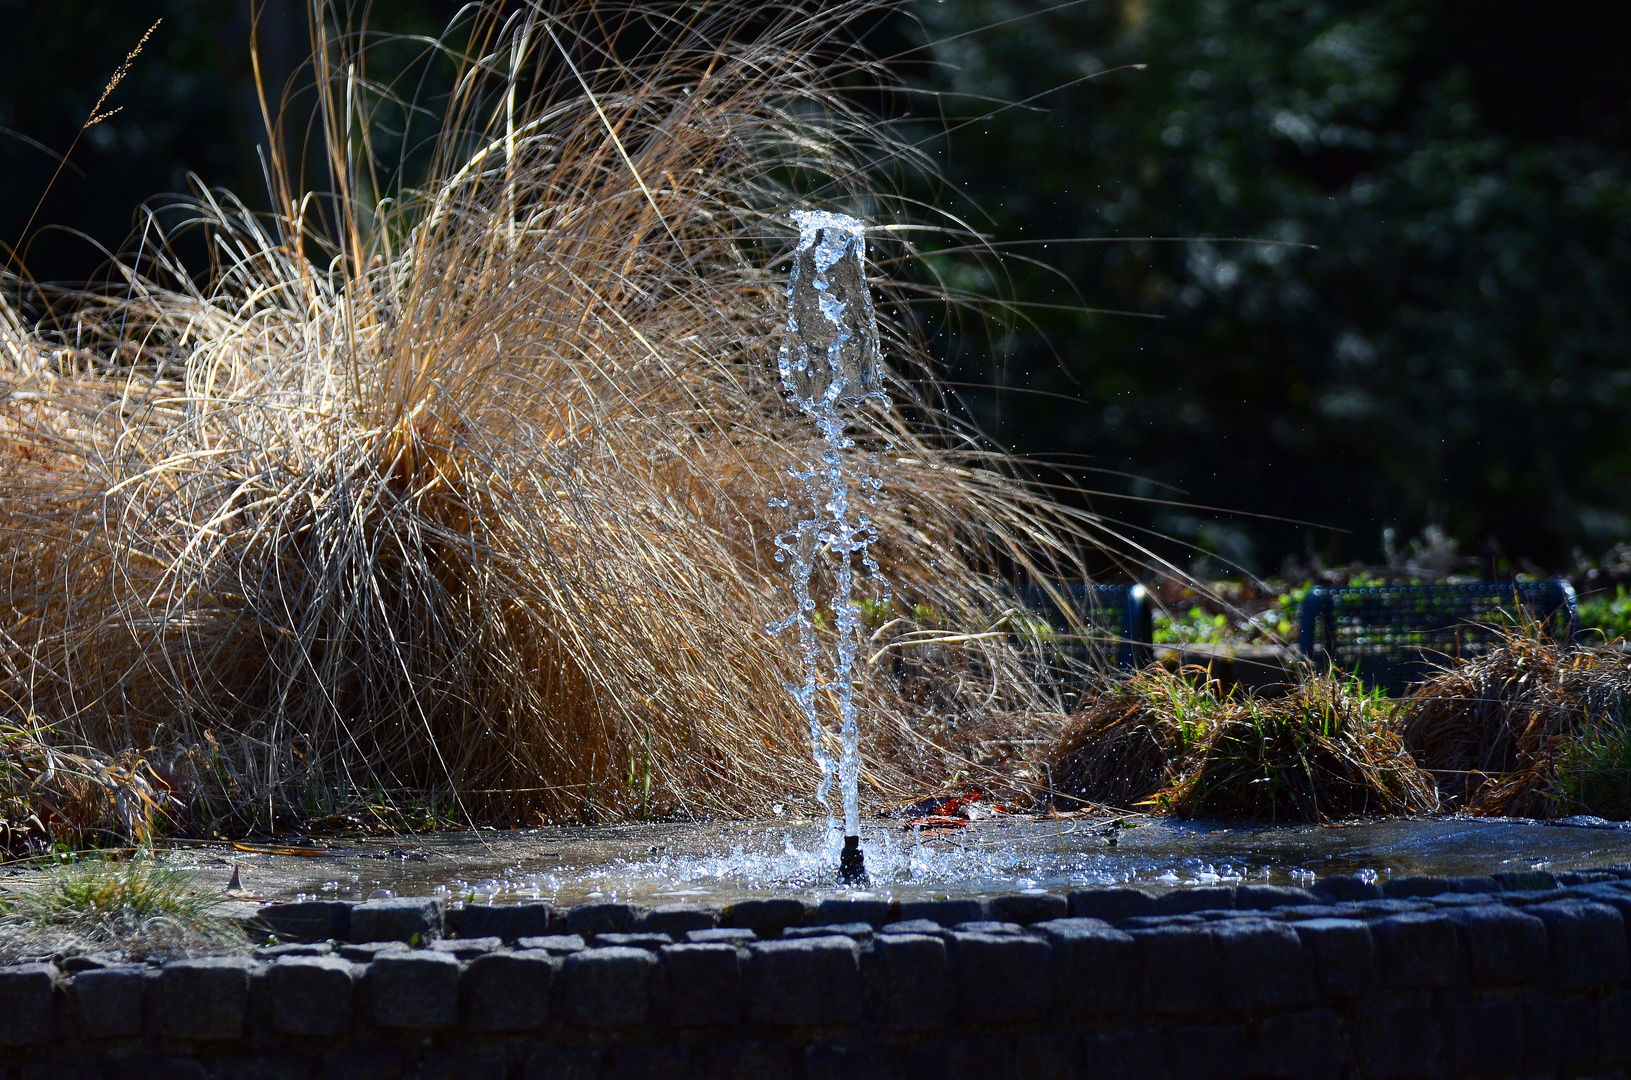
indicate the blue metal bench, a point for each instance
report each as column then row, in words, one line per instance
column 1120, row 615
column 1392, row 635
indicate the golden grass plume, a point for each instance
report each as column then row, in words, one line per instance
column 463, row 495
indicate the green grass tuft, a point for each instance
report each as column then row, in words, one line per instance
column 1594, row 774
column 1325, row 750
column 138, row 907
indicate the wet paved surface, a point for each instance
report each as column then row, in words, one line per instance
column 719, row 863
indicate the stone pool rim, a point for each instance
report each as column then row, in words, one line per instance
column 1518, row 974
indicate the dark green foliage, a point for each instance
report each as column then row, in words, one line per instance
column 188, row 106
column 1454, row 349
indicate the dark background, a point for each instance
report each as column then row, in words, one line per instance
column 1450, row 360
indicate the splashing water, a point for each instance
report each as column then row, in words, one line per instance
column 830, row 361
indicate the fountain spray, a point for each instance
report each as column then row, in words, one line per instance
column 829, row 361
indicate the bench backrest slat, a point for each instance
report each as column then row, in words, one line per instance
column 1120, row 612
column 1393, row 635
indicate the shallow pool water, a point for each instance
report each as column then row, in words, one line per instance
column 719, row 863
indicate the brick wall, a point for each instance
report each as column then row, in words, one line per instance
column 1515, row 976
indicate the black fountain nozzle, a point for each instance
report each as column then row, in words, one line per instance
column 852, row 862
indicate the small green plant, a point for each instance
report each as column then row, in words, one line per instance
column 640, row 778
column 875, row 612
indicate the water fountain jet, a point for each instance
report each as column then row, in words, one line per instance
column 828, row 361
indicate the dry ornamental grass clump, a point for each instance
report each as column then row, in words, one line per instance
column 1323, row 751
column 1531, row 728
column 464, row 498
column 1327, row 750
column 1127, row 743
column 50, row 793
